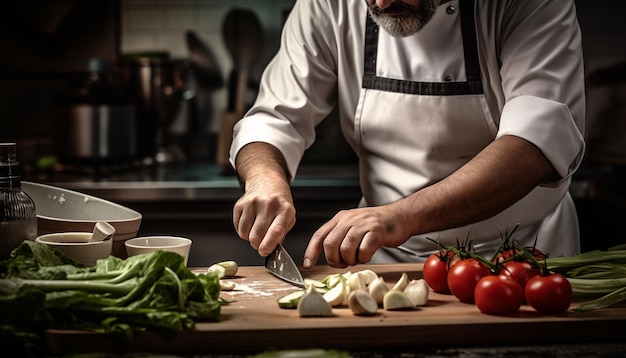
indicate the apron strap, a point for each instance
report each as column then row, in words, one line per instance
column 472, row 86
column 470, row 44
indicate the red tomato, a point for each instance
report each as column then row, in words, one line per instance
column 454, row 258
column 507, row 254
column 436, row 271
column 538, row 254
column 551, row 294
column 504, row 255
column 498, row 295
column 522, row 271
column 463, row 277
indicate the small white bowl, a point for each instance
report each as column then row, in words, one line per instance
column 63, row 210
column 147, row 244
column 77, row 246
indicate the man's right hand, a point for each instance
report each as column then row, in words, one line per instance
column 265, row 212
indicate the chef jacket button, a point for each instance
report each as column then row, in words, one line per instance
column 450, row 10
column 448, row 78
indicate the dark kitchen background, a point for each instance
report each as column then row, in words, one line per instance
column 164, row 75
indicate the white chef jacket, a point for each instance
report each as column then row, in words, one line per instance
column 531, row 74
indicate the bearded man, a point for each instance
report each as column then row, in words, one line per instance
column 467, row 117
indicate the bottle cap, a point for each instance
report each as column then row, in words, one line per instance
column 9, row 166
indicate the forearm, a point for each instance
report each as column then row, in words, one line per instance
column 258, row 161
column 496, row 178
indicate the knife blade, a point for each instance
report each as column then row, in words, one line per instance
column 280, row 264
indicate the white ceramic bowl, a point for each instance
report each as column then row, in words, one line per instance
column 147, row 244
column 63, row 210
column 76, row 246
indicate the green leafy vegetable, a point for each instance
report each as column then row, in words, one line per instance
column 41, row 288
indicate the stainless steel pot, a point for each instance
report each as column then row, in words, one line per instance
column 95, row 120
column 96, row 132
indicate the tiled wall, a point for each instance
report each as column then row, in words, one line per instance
column 149, row 25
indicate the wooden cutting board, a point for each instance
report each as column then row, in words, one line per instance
column 254, row 323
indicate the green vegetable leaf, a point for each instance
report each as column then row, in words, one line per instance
column 41, row 288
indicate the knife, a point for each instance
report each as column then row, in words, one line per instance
column 280, row 264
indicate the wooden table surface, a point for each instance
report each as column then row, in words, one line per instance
column 254, row 323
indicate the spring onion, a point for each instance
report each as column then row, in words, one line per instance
column 610, row 299
column 596, row 287
column 563, row 264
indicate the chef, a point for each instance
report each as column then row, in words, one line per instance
column 467, row 117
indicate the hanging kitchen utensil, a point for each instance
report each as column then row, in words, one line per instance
column 205, row 77
column 206, row 68
column 280, row 264
column 243, row 37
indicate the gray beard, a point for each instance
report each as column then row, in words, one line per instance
column 413, row 21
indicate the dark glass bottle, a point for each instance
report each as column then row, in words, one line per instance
column 18, row 218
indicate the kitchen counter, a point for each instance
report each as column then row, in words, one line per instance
column 196, row 201
column 254, row 323
column 193, row 182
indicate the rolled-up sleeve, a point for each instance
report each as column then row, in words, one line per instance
column 543, row 80
column 558, row 138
